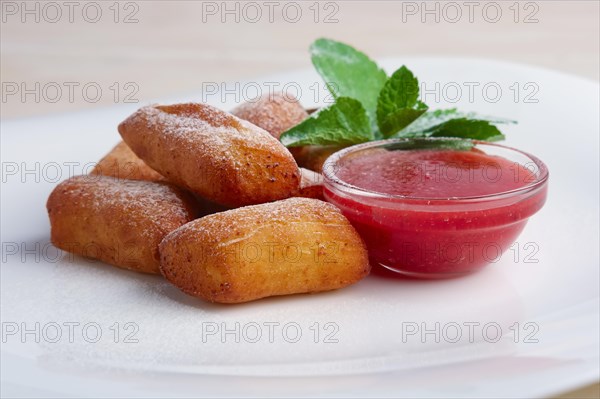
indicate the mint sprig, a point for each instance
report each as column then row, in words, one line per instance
column 344, row 123
column 467, row 129
column 433, row 120
column 348, row 72
column 398, row 105
column 370, row 106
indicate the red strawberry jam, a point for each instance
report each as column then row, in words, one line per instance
column 435, row 213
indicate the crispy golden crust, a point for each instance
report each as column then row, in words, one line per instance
column 275, row 113
column 212, row 153
column 298, row 245
column 122, row 163
column 118, row 221
column 311, row 184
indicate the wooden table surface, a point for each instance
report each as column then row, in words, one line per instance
column 144, row 49
column 179, row 45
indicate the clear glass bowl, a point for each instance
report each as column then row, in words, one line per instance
column 435, row 236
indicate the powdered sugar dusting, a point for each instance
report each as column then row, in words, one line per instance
column 189, row 121
column 277, row 215
column 275, row 113
column 122, row 162
column 214, row 154
column 154, row 203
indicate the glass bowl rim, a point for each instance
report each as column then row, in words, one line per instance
column 331, row 177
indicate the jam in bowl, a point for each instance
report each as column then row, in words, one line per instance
column 435, row 207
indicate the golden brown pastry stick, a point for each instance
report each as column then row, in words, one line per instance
column 297, row 245
column 118, row 221
column 122, row 163
column 275, row 113
column 212, row 153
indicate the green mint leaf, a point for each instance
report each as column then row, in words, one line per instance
column 397, row 104
column 399, row 119
column 467, row 129
column 348, row 73
column 345, row 122
column 400, row 91
column 492, row 119
column 437, row 144
column 432, row 119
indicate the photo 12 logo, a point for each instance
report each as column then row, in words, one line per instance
column 477, row 92
column 69, row 332
column 53, row 12
column 48, row 172
column 270, row 331
column 54, row 92
column 455, row 253
column 474, row 331
column 270, row 11
column 470, row 11
column 240, row 92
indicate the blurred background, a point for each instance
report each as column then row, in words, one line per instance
column 59, row 57
column 66, row 52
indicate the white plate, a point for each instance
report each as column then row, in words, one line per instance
column 552, row 303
